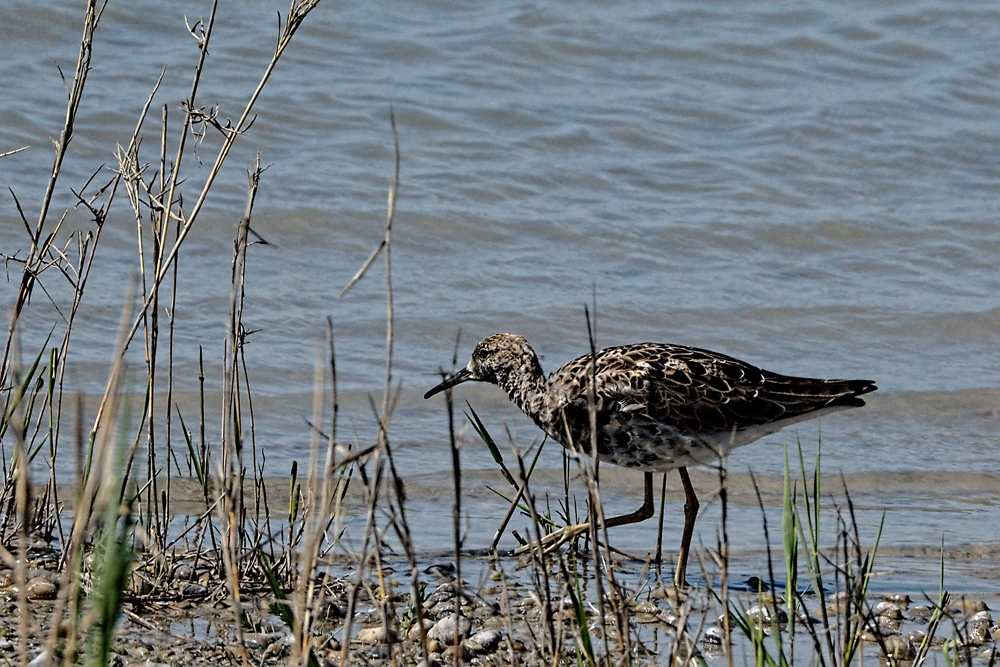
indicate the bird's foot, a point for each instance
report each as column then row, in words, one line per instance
column 554, row 540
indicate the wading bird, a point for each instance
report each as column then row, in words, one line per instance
column 656, row 407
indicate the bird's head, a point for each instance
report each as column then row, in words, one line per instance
column 497, row 360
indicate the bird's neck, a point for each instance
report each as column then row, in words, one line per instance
column 528, row 390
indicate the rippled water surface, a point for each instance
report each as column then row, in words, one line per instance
column 810, row 187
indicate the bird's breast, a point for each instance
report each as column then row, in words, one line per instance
column 647, row 446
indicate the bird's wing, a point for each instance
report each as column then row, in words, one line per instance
column 696, row 391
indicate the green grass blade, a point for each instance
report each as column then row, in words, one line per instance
column 790, row 537
column 491, row 444
column 25, row 386
column 281, row 608
column 113, row 562
column 190, row 444
column 581, row 622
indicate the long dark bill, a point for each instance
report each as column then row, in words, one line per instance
column 457, row 378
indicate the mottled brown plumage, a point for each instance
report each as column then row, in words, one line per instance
column 656, row 406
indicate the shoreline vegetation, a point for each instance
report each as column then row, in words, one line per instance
column 99, row 571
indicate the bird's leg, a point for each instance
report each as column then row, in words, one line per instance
column 554, row 540
column 641, row 514
column 690, row 515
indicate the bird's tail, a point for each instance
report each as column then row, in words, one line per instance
column 801, row 395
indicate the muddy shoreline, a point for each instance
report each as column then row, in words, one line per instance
column 501, row 618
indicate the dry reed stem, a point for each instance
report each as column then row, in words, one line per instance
column 228, row 501
column 22, row 503
column 230, row 492
column 539, row 557
column 16, row 150
column 402, row 528
column 313, row 520
column 322, row 493
column 372, row 488
column 39, row 246
column 382, row 416
column 298, row 12
column 40, row 249
column 94, row 496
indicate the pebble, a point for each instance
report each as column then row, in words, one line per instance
column 887, row 609
column 376, row 652
column 375, row 635
column 899, row 647
column 278, row 649
column 442, row 609
column 448, row 655
column 670, row 618
column 484, row 641
column 259, row 639
column 921, row 611
column 236, row 654
column 970, row 607
column 835, row 609
column 670, row 594
column 443, row 571
column 331, row 608
column 414, row 632
column 438, row 597
column 194, row 591
column 444, row 629
column 42, row 658
column 647, row 612
column 770, row 599
column 647, row 607
column 764, row 614
column 40, row 588
column 899, row 599
column 979, row 633
column 869, row 636
column 184, row 572
column 889, row 626
column 981, row 617
column 6, row 580
column 714, row 636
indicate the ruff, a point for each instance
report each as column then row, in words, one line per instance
column 657, row 406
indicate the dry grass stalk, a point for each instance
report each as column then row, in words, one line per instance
column 230, row 132
column 94, row 491
column 383, row 416
column 41, row 245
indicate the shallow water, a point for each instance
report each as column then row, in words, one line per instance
column 810, row 188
